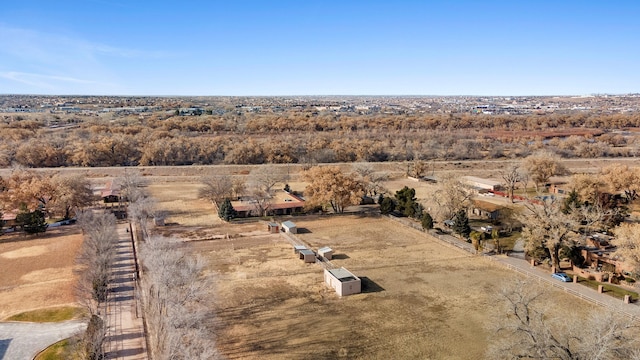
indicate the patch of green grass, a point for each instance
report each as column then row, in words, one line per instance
column 57, row 351
column 608, row 288
column 49, row 315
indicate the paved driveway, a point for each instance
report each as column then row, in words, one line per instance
column 23, row 341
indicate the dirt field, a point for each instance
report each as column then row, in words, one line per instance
column 37, row 272
column 421, row 299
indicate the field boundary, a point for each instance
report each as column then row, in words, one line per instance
column 454, row 243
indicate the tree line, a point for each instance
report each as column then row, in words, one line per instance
column 33, row 197
column 307, row 137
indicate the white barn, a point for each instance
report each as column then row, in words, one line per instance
column 344, row 282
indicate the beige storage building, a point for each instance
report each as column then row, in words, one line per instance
column 326, row 252
column 273, row 228
column 344, row 282
column 307, row 255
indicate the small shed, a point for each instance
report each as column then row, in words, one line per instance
column 486, row 209
column 326, row 252
column 273, row 228
column 344, row 282
column 298, row 248
column 290, row 227
column 307, row 255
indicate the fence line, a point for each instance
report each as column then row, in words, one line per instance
column 450, row 242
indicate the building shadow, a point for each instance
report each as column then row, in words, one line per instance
column 304, row 231
column 4, row 345
column 339, row 257
column 370, row 286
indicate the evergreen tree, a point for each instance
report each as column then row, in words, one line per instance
column 226, row 210
column 571, row 202
column 407, row 204
column 32, row 222
column 427, row 221
column 461, row 223
column 387, row 206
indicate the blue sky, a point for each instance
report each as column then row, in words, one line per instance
column 348, row 47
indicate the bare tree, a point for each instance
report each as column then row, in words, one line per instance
column 265, row 178
column 628, row 244
column 452, row 196
column 140, row 211
column 512, row 176
column 95, row 259
column 175, row 297
column 216, row 189
column 131, row 185
column 546, row 225
column 96, row 256
column 370, row 179
column 542, row 165
column 418, row 168
column 622, row 178
column 238, row 187
column 525, row 330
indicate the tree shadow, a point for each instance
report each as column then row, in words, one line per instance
column 20, row 236
column 370, row 286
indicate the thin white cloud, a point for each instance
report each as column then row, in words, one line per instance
column 36, row 45
column 45, row 81
column 62, row 63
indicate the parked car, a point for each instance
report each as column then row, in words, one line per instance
column 449, row 223
column 562, row 277
column 486, row 228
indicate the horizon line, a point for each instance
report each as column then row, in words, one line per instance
column 328, row 95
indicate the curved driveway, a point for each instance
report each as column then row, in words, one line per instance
column 23, row 340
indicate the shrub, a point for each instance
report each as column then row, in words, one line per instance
column 427, row 221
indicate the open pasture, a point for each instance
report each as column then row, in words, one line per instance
column 420, row 299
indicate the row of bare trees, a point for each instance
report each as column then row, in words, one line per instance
column 304, row 138
column 96, row 258
column 175, row 291
column 177, row 301
column 297, row 121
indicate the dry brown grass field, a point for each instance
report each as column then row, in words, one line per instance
column 421, row 299
column 424, row 300
column 37, row 272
